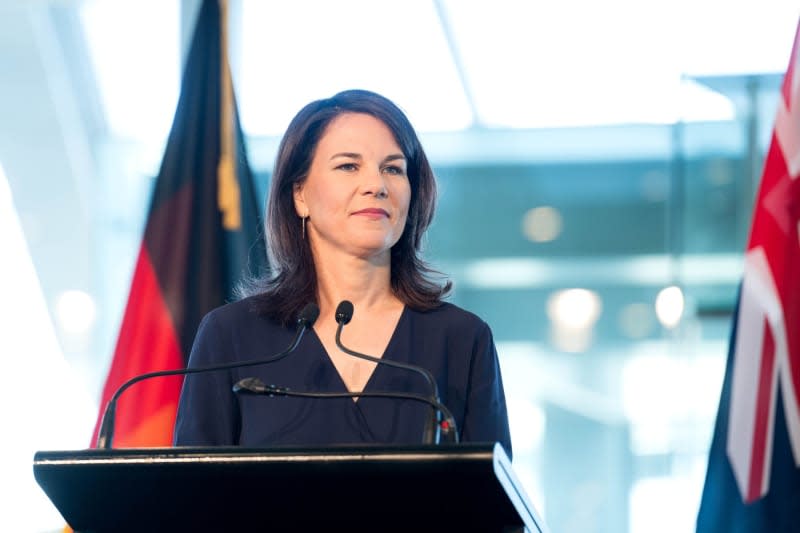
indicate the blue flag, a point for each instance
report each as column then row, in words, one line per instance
column 753, row 478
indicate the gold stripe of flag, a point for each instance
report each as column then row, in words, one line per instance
column 228, row 187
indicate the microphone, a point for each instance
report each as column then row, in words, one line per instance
column 254, row 386
column 434, row 428
column 105, row 435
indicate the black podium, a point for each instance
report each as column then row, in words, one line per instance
column 467, row 487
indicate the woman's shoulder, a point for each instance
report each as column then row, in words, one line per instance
column 448, row 315
column 240, row 313
column 237, row 330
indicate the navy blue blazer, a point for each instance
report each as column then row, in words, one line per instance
column 453, row 344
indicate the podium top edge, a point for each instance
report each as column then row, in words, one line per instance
column 230, row 454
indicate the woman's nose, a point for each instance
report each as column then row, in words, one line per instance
column 375, row 184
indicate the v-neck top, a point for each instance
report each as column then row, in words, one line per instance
column 325, row 350
column 455, row 345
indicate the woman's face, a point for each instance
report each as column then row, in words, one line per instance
column 357, row 192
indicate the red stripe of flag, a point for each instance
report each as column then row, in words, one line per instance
column 147, row 342
column 766, row 390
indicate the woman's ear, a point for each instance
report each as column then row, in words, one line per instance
column 300, row 206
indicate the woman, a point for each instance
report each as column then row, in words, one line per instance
column 351, row 197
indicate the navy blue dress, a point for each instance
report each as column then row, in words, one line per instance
column 454, row 345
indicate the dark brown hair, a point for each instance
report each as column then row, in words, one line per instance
column 293, row 282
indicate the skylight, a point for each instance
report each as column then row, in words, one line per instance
column 134, row 46
column 514, row 64
column 296, row 52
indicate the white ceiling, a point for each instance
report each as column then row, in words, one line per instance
column 451, row 65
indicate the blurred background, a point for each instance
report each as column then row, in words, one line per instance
column 597, row 160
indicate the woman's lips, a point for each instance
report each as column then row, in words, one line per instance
column 372, row 212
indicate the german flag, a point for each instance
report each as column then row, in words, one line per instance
column 202, row 235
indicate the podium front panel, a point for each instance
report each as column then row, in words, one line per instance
column 431, row 488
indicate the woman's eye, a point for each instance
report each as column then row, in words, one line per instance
column 394, row 170
column 349, row 167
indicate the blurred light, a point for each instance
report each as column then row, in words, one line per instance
column 669, row 306
column 650, row 402
column 527, row 421
column 636, row 270
column 134, row 49
column 626, row 80
column 573, row 313
column 75, row 311
column 506, row 272
column 574, row 308
column 707, row 48
column 6, row 197
column 648, row 514
column 542, row 224
column 572, row 340
column 704, row 383
column 60, row 413
column 662, row 394
column 636, row 320
column 696, row 102
column 649, row 388
column 348, row 44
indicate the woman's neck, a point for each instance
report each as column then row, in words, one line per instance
column 367, row 284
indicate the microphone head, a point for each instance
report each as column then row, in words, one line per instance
column 248, row 386
column 344, row 312
column 308, row 315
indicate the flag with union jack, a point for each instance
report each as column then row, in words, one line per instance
column 753, row 478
